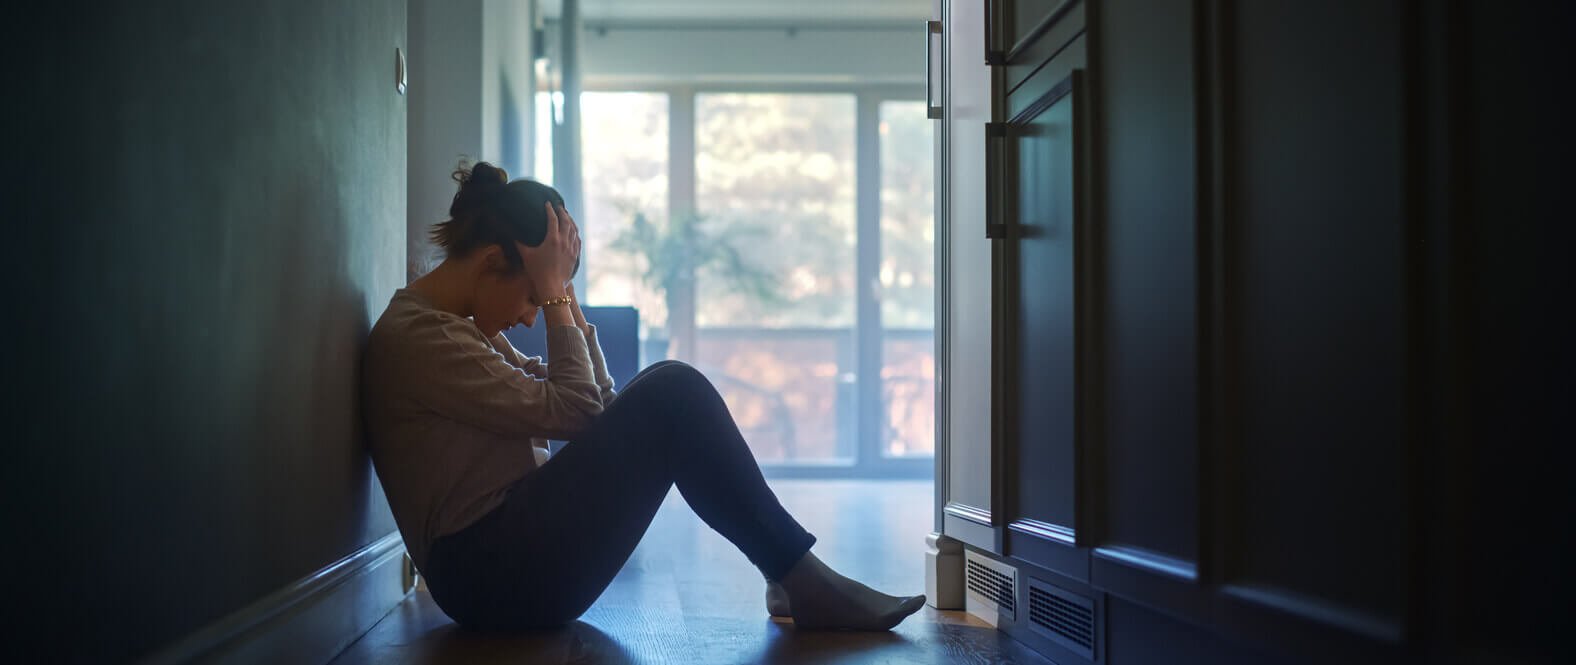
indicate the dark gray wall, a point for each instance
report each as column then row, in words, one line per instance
column 445, row 115
column 210, row 210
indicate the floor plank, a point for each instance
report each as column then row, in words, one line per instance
column 687, row 596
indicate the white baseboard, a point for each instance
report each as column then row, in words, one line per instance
column 944, row 572
column 309, row 621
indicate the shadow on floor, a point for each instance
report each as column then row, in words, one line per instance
column 578, row 642
column 687, row 596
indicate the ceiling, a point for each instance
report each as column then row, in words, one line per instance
column 775, row 12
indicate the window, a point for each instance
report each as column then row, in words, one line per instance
column 777, row 318
column 779, row 169
column 775, row 175
column 547, row 106
column 908, row 240
column 625, row 152
column 625, row 173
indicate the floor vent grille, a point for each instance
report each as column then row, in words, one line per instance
column 1065, row 617
column 994, row 586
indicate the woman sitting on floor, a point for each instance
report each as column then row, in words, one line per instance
column 506, row 538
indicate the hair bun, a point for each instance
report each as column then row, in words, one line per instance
column 477, row 185
column 486, row 174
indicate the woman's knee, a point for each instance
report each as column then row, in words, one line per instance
column 652, row 369
column 665, row 389
column 668, row 375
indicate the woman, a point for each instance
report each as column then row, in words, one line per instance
column 506, row 538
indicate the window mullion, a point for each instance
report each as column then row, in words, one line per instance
column 867, row 328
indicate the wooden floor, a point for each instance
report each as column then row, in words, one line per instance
column 687, row 596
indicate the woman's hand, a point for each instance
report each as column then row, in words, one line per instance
column 552, row 262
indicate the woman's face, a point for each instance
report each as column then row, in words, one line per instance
column 504, row 299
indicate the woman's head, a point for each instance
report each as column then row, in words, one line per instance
column 488, row 215
column 490, row 210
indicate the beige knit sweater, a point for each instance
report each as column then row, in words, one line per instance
column 453, row 418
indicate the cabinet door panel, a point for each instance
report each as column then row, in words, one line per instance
column 1042, row 442
column 1026, row 57
column 1022, row 17
column 1319, row 302
column 1149, row 493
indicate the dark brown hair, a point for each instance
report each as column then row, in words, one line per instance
column 491, row 210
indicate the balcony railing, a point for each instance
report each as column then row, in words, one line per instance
column 793, row 393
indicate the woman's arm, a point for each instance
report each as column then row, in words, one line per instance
column 574, row 309
column 535, row 367
column 453, row 371
column 604, row 381
column 532, row 365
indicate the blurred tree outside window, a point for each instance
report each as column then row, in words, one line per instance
column 783, row 165
column 907, row 274
column 625, row 152
column 625, row 155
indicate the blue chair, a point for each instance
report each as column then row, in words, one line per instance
column 617, row 328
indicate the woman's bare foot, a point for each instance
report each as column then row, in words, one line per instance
column 821, row 599
column 777, row 600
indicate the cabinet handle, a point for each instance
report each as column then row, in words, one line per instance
column 993, row 55
column 995, row 179
column 932, row 110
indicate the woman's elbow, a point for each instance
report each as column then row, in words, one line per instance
column 586, row 410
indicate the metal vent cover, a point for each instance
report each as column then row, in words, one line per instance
column 992, row 584
column 1063, row 616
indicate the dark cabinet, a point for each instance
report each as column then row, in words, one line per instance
column 968, row 461
column 1036, row 189
column 1040, row 235
column 1188, row 394
column 1027, row 33
column 1267, row 282
column 1015, row 26
column 1147, row 483
column 1320, row 309
column 1041, row 248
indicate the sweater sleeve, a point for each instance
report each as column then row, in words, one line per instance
column 532, row 365
column 455, row 372
column 535, row 367
column 604, row 381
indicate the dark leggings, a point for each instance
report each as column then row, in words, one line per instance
column 542, row 557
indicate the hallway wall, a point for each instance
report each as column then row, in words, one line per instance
column 208, row 213
column 472, row 77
